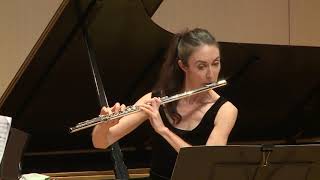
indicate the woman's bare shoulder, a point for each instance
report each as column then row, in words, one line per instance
column 229, row 107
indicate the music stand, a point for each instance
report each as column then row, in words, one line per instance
column 9, row 168
column 249, row 162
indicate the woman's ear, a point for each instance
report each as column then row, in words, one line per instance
column 182, row 66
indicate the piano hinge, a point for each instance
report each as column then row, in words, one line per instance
column 266, row 151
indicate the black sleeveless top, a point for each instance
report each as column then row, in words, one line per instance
column 164, row 155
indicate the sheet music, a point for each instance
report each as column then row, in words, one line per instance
column 5, row 124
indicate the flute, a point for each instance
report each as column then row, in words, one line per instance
column 134, row 108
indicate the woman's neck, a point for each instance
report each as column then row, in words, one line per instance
column 203, row 97
column 207, row 96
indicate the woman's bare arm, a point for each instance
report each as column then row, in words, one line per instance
column 223, row 124
column 107, row 133
column 152, row 109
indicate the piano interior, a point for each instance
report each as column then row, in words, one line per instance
column 275, row 87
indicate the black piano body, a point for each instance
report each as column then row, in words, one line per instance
column 275, row 87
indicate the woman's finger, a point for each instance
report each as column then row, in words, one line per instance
column 149, row 107
column 149, row 112
column 149, row 101
column 116, row 107
column 114, row 121
column 158, row 100
column 105, row 111
column 109, row 111
column 122, row 107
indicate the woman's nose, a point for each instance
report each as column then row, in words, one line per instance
column 209, row 73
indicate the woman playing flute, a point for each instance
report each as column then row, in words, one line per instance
column 192, row 61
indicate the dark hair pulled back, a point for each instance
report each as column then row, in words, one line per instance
column 172, row 77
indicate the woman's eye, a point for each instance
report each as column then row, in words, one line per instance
column 216, row 63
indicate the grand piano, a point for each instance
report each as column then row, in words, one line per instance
column 275, row 87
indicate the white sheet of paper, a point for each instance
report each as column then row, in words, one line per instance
column 5, row 124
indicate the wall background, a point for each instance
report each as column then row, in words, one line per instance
column 22, row 23
column 282, row 22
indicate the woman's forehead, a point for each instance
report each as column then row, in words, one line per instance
column 205, row 53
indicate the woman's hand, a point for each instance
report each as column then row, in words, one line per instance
column 151, row 108
column 107, row 111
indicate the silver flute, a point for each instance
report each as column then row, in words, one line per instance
column 135, row 108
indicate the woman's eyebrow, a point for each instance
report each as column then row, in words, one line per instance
column 201, row 61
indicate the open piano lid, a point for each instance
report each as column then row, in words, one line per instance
column 276, row 88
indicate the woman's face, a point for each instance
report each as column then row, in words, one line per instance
column 203, row 66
